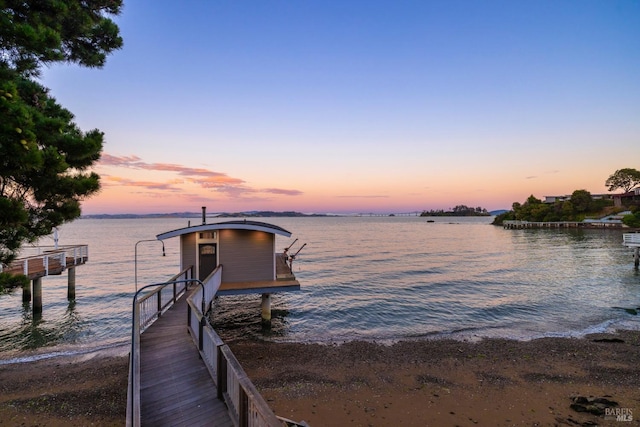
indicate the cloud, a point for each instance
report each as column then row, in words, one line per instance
column 204, row 178
column 135, row 162
column 364, row 197
column 116, row 180
column 282, row 191
column 549, row 172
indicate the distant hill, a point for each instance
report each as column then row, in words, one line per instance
column 250, row 214
column 264, row 214
column 498, row 212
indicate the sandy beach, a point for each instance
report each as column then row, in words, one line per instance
column 546, row 382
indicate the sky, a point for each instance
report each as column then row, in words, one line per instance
column 359, row 106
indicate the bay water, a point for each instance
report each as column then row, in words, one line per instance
column 372, row 278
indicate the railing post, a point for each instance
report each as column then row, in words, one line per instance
column 175, row 292
column 159, row 303
column 222, row 373
column 71, row 283
column 188, row 316
column 201, row 333
column 243, row 410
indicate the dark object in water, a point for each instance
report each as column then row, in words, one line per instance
column 608, row 340
column 633, row 311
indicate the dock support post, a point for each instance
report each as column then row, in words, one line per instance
column 26, row 292
column 37, row 295
column 636, row 257
column 266, row 310
column 71, row 284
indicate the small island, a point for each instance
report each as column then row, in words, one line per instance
column 460, row 210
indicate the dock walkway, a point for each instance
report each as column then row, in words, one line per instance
column 181, row 373
column 176, row 388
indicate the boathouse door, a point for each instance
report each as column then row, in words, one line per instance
column 207, row 259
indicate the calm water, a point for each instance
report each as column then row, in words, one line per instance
column 378, row 278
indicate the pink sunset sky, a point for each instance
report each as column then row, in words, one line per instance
column 376, row 106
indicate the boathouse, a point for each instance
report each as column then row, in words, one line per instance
column 245, row 254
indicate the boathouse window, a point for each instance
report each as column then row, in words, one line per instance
column 207, row 250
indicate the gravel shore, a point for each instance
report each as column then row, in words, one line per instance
column 494, row 382
column 543, row 382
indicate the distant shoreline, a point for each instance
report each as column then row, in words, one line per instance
column 270, row 214
column 252, row 214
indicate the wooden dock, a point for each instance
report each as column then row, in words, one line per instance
column 632, row 240
column 180, row 371
column 176, row 388
column 515, row 224
column 49, row 261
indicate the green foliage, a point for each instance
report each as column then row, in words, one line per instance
column 626, row 179
column 599, row 205
column 45, row 159
column 632, row 220
column 579, row 206
column 37, row 32
column 581, row 201
column 506, row 216
column 10, row 281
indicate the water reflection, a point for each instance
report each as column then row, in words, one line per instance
column 38, row 329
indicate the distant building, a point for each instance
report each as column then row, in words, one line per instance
column 565, row 198
column 553, row 199
column 625, row 199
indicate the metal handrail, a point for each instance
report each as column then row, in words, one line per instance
column 133, row 390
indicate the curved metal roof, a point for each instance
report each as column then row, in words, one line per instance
column 228, row 225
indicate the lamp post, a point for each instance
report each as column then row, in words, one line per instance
column 136, row 257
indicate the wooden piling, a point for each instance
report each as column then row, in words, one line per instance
column 266, row 309
column 636, row 257
column 37, row 295
column 71, row 284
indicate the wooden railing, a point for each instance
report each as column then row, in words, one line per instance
column 51, row 261
column 631, row 239
column 247, row 408
column 153, row 304
column 146, row 310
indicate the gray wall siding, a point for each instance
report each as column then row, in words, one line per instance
column 189, row 252
column 246, row 255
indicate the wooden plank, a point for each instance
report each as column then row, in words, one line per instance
column 175, row 386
